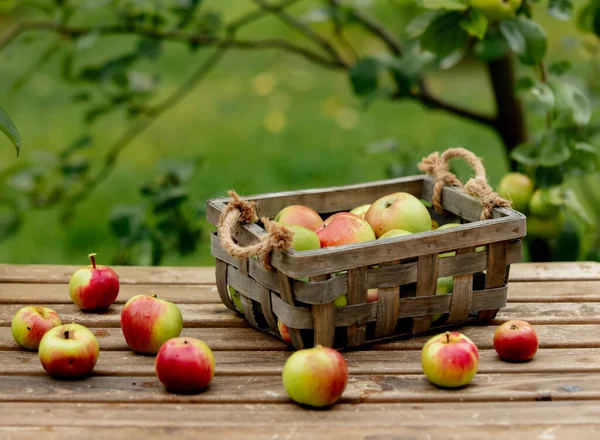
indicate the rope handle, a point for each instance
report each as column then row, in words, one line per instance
column 242, row 211
column 438, row 166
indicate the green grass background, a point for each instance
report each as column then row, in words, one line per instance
column 223, row 122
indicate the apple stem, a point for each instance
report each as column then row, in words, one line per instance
column 66, row 334
column 447, row 338
column 92, row 257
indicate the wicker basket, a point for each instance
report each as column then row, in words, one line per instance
column 300, row 288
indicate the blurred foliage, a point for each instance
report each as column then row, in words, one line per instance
column 420, row 41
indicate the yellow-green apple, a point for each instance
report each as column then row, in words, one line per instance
column 545, row 202
column 448, row 226
column 395, row 233
column 148, row 322
column 398, row 211
column 299, row 215
column 344, row 228
column 315, row 376
column 94, row 287
column 69, row 351
column 516, row 187
column 516, row 341
column 434, row 224
column 185, row 365
column 445, row 286
column 341, row 301
column 450, row 360
column 497, row 9
column 304, row 239
column 30, row 324
column 547, row 228
column 361, row 210
column 284, row 331
column 235, row 298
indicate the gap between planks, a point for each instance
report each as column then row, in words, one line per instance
column 270, row 363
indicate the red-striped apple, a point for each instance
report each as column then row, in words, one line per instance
column 450, row 360
column 69, row 351
column 185, row 365
column 398, row 211
column 299, row 215
column 284, row 331
column 315, row 376
column 344, row 228
column 94, row 287
column 516, row 340
column 30, row 324
column 148, row 322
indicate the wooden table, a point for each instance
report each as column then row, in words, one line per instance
column 557, row 395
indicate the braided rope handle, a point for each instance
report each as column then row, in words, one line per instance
column 438, row 166
column 242, row 211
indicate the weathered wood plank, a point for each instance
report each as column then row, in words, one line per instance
column 540, row 313
column 555, row 271
column 427, row 274
column 29, row 293
column 269, row 389
column 554, row 291
column 38, row 273
column 268, row 432
column 194, row 315
column 270, row 363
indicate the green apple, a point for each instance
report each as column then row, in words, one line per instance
column 445, row 286
column 361, row 210
column 518, row 188
column 237, row 301
column 341, row 301
column 497, row 10
column 448, row 226
column 398, row 211
column 304, row 238
column 395, row 233
column 545, row 202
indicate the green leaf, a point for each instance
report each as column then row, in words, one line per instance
column 548, row 177
column 559, row 68
column 476, row 24
column 575, row 206
column 421, row 22
column 524, row 83
column 492, row 47
column 364, row 76
column 169, row 198
column 8, row 128
column 544, row 95
column 554, row 149
column 451, row 5
column 573, row 107
column 126, row 221
column 444, row 35
column 560, row 9
column 149, row 48
column 526, row 154
column 526, row 38
column 585, row 159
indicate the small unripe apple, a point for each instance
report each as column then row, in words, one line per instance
column 148, row 322
column 94, row 287
column 497, row 10
column 445, row 286
column 185, row 365
column 398, row 211
column 30, row 324
column 315, row 376
column 516, row 340
column 304, row 239
column 344, row 228
column 450, row 360
column 395, row 233
column 235, row 298
column 360, row 210
column 299, row 215
column 516, row 187
column 69, row 351
column 544, row 203
column 341, row 301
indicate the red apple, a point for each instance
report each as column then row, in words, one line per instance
column 299, row 215
column 315, row 376
column 284, row 331
column 516, row 340
column 360, row 210
column 373, row 295
column 398, row 211
column 69, row 351
column 148, row 322
column 94, row 287
column 344, row 228
column 450, row 360
column 31, row 323
column 185, row 365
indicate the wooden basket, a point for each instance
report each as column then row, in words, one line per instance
column 300, row 288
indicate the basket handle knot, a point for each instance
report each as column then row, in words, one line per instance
column 238, row 210
column 478, row 186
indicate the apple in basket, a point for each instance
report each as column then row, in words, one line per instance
column 299, row 215
column 315, row 376
column 398, row 211
column 148, row 322
column 516, row 340
column 360, row 210
column 94, row 287
column 450, row 360
column 344, row 228
column 185, row 365
column 69, row 351
column 30, row 324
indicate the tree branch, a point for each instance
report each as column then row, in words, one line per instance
column 139, row 127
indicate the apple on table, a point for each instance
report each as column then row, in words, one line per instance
column 94, row 287
column 30, row 324
column 450, row 360
column 516, row 341
column 69, row 351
